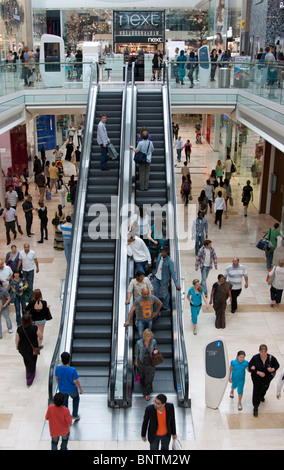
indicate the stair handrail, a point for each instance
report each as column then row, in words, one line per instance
column 65, row 334
column 180, row 362
column 115, row 394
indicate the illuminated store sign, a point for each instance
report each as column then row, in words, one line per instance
column 138, row 26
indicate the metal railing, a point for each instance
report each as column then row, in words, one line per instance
column 64, row 340
column 116, row 396
column 180, row 364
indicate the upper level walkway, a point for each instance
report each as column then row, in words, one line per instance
column 240, row 92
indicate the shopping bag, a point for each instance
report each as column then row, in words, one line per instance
column 176, row 444
column 112, row 151
column 270, row 278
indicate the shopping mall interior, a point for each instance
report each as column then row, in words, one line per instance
column 241, row 115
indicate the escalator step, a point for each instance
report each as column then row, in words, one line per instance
column 92, row 331
column 91, row 318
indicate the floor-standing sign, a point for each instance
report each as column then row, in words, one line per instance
column 216, row 372
column 204, row 66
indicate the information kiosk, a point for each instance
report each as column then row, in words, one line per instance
column 216, row 372
column 204, row 66
column 52, row 60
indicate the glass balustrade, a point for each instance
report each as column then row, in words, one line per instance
column 259, row 78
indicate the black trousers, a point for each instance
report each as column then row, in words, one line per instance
column 29, row 221
column 43, row 229
column 235, row 295
column 276, row 294
column 218, row 217
column 10, row 226
column 260, row 387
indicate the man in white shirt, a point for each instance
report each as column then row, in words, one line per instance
column 179, row 147
column 58, row 153
column 103, row 140
column 9, row 215
column 137, row 248
column 234, row 274
column 28, row 259
column 219, row 207
column 5, row 274
column 205, row 259
column 11, row 197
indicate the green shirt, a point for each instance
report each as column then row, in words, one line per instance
column 272, row 235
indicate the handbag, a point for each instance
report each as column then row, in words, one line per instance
column 156, row 358
column 68, row 197
column 231, row 201
column 36, row 350
column 141, row 157
column 265, row 244
column 48, row 315
column 55, row 221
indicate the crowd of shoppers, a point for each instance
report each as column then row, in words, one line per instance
column 150, row 297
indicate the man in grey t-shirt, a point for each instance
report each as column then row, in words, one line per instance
column 147, row 307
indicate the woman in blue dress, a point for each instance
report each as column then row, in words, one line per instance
column 237, row 376
column 194, row 296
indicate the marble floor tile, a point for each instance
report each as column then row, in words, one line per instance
column 22, row 423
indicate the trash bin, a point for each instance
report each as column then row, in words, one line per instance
column 224, row 77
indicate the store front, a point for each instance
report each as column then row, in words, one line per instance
column 245, row 147
column 138, row 31
column 136, row 34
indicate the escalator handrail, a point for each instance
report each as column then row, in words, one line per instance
column 64, row 339
column 180, row 356
column 116, row 341
column 128, row 354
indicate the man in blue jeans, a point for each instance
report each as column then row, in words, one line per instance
column 146, row 307
column 103, row 140
column 66, row 229
column 205, row 259
column 68, row 383
column 163, row 274
column 199, row 231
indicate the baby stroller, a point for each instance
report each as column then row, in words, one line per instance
column 198, row 137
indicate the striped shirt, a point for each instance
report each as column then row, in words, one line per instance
column 234, row 275
column 66, row 230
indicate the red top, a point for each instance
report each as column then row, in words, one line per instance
column 59, row 418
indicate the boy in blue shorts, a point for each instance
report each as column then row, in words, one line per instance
column 237, row 376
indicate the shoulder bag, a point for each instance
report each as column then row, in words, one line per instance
column 265, row 244
column 36, row 350
column 156, row 358
column 141, row 157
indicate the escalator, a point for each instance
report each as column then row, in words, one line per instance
column 92, row 332
column 149, row 110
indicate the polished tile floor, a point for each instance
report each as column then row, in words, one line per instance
column 22, row 409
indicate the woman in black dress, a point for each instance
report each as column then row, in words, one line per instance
column 27, row 337
column 247, row 196
column 39, row 311
column 69, row 150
